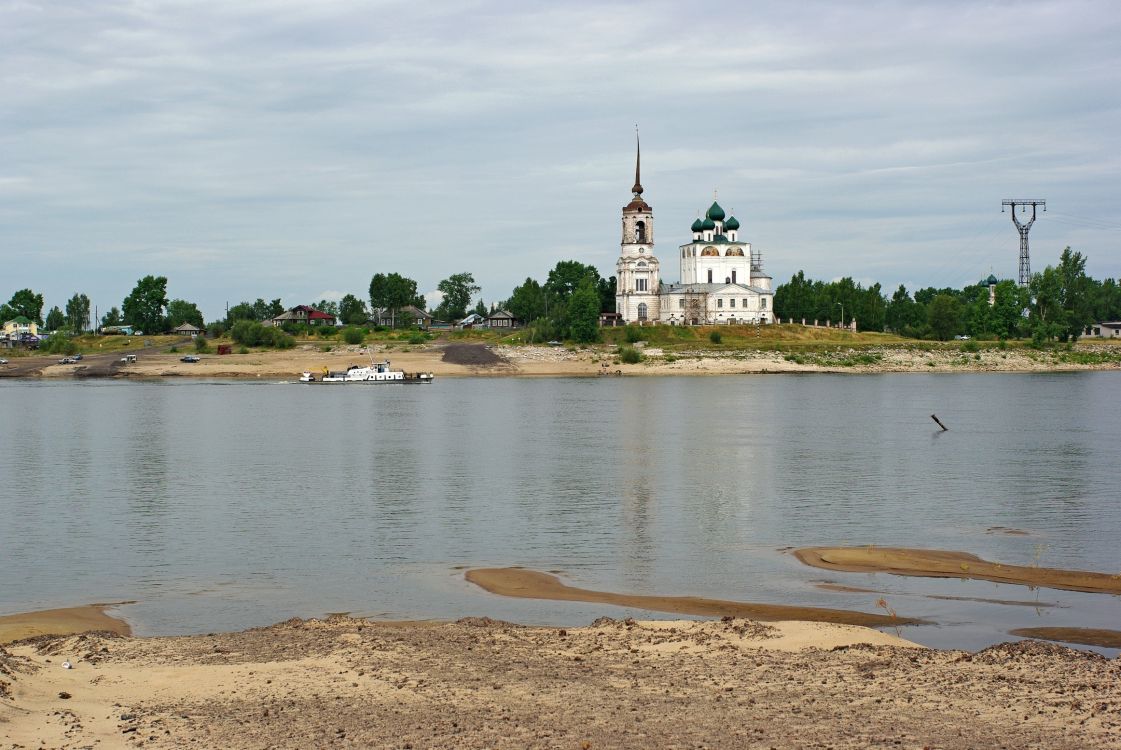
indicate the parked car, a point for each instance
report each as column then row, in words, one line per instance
column 962, row 338
column 77, row 358
column 189, row 358
column 3, row 361
column 67, row 361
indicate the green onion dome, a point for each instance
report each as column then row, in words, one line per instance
column 698, row 226
column 715, row 212
column 731, row 223
column 708, row 224
column 991, row 281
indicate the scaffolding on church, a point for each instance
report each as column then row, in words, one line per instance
column 696, row 308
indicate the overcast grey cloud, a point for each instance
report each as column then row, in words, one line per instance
column 280, row 148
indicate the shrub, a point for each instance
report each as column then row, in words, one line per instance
column 417, row 338
column 969, row 346
column 200, row 345
column 630, row 355
column 174, row 350
column 251, row 333
column 715, row 337
column 58, row 343
column 353, row 335
column 243, row 350
column 632, row 334
column 325, row 331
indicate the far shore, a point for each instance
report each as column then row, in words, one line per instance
column 475, row 359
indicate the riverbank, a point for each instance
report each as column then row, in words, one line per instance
column 460, row 359
column 481, row 683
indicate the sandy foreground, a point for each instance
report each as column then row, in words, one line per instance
column 479, row 683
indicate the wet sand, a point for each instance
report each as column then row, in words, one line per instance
column 482, row 683
column 1081, row 636
column 947, row 564
column 532, row 584
column 64, row 621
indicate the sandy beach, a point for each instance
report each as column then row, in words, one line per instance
column 460, row 359
column 481, row 683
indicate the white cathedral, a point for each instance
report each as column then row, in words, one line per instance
column 721, row 281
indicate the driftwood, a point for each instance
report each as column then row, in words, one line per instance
column 939, row 421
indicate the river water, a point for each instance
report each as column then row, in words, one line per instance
column 224, row 505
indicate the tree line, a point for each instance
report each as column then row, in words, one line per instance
column 1059, row 303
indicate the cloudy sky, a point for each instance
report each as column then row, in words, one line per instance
column 287, row 148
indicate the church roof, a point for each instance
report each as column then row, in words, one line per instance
column 708, row 224
column 991, row 281
column 714, row 288
column 698, row 225
column 731, row 223
column 715, row 212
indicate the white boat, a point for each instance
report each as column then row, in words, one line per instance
column 375, row 372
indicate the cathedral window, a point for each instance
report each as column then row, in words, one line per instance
column 681, row 303
column 642, row 311
column 763, row 303
column 710, row 275
column 720, row 302
column 733, row 276
column 640, row 285
column 732, row 302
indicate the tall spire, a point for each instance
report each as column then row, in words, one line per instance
column 637, row 189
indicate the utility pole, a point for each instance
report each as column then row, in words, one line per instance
column 1023, row 228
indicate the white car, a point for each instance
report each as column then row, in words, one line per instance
column 3, row 361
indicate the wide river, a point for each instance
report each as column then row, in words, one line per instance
column 224, row 505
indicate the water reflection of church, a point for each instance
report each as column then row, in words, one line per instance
column 721, row 280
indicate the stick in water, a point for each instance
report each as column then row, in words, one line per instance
column 939, row 421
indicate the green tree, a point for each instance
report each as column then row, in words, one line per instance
column 607, row 288
column 181, row 311
column 1008, row 308
column 392, row 291
column 1078, row 301
column 944, row 316
column 903, row 315
column 458, row 289
column 352, row 311
column 329, row 307
column 144, row 307
column 527, row 302
column 583, row 312
column 112, row 318
column 78, row 313
column 480, row 308
column 25, row 303
column 56, row 321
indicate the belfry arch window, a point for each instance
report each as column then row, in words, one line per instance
column 640, row 232
column 642, row 311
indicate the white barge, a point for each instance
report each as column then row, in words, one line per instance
column 375, row 372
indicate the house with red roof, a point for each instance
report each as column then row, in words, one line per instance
column 303, row 314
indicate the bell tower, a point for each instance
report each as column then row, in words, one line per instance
column 636, row 272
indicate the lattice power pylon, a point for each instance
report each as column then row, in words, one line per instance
column 1023, row 228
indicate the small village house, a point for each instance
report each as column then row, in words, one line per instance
column 304, row 314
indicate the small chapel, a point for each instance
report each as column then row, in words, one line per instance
column 721, row 278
